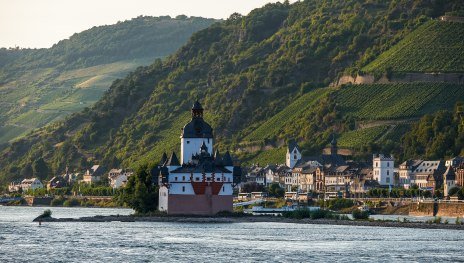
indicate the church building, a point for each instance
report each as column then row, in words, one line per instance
column 200, row 183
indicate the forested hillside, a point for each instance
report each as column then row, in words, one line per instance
column 245, row 70
column 38, row 86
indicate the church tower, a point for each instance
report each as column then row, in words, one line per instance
column 194, row 134
column 293, row 154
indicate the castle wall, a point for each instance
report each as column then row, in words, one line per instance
column 199, row 204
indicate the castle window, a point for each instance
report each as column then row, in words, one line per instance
column 175, row 178
column 388, row 172
column 183, row 188
column 197, row 178
column 388, row 164
column 223, row 189
column 183, row 178
column 388, row 179
column 294, row 156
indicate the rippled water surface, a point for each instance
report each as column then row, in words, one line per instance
column 24, row 241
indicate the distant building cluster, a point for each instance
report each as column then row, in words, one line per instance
column 330, row 175
column 94, row 175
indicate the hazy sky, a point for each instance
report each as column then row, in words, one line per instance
column 41, row 23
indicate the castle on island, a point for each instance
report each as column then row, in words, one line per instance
column 200, row 182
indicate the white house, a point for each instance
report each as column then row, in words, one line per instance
column 32, row 184
column 383, row 169
column 93, row 175
column 118, row 177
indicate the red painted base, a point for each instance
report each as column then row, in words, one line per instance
column 199, row 204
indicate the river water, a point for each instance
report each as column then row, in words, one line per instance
column 21, row 240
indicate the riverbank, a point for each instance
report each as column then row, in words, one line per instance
column 255, row 219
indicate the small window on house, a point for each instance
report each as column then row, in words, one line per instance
column 388, row 164
column 183, row 188
column 223, row 189
column 218, row 179
column 388, row 172
column 188, row 142
column 294, row 156
column 175, row 178
column 183, row 178
column 197, row 178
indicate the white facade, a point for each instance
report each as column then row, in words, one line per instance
column 292, row 157
column 118, row 178
column 180, row 183
column 190, row 146
column 383, row 169
column 32, row 184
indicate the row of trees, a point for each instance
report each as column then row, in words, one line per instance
column 403, row 193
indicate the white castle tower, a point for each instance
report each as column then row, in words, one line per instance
column 383, row 169
column 194, row 134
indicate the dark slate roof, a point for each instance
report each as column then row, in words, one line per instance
column 218, row 158
column 292, row 145
column 173, row 161
column 197, row 106
column 164, row 158
column 332, row 159
column 197, row 128
column 237, row 171
column 227, row 160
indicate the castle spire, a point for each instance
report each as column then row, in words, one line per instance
column 197, row 110
column 333, row 145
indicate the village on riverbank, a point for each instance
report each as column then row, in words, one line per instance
column 207, row 183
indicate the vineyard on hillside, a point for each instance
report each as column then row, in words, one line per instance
column 434, row 47
column 397, row 101
column 362, row 137
column 287, row 116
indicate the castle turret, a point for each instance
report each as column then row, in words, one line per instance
column 194, row 134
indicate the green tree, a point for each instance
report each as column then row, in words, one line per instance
column 139, row 193
column 27, row 171
column 40, row 169
column 276, row 191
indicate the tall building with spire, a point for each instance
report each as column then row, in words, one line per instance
column 201, row 182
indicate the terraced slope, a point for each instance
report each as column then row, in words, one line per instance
column 288, row 117
column 436, row 46
column 397, row 101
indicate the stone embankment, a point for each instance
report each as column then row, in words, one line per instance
column 253, row 219
column 455, row 78
column 437, row 209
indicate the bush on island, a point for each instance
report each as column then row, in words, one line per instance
column 46, row 214
column 57, row 201
column 362, row 215
column 71, row 202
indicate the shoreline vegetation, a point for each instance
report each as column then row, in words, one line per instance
column 241, row 218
